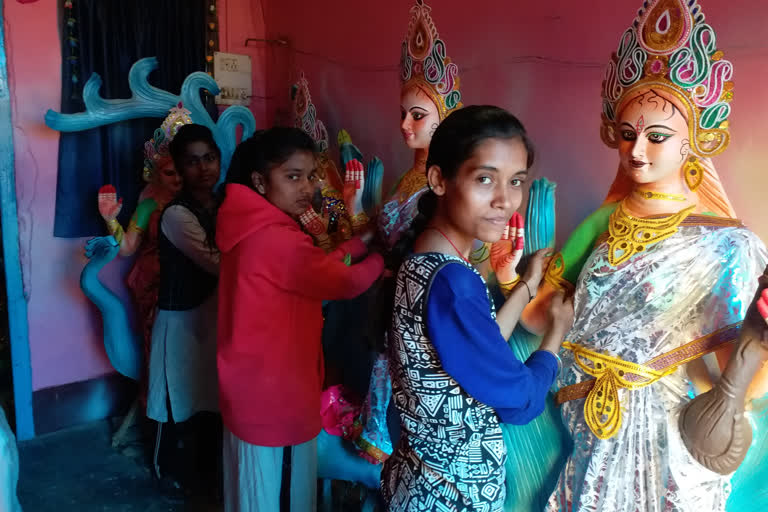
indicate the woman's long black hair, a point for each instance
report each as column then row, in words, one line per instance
column 453, row 143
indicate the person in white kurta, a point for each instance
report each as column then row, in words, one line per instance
column 183, row 378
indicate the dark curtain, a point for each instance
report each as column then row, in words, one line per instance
column 111, row 36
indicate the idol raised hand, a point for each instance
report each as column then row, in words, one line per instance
column 713, row 425
column 507, row 253
column 317, row 226
column 109, row 209
column 109, row 204
column 354, row 186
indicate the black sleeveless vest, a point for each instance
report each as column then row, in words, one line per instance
column 183, row 284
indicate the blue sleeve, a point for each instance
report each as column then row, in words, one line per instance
column 472, row 350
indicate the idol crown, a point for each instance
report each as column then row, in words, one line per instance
column 157, row 147
column 424, row 61
column 671, row 47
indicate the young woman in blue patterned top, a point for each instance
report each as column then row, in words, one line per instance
column 454, row 377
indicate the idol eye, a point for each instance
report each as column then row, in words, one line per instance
column 484, row 180
column 517, row 182
column 418, row 116
column 658, row 138
column 628, row 135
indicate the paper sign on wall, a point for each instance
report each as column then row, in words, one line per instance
column 233, row 74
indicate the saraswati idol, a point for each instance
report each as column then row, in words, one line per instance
column 163, row 183
column 341, row 214
column 667, row 336
column 429, row 92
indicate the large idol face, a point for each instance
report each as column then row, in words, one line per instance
column 653, row 139
column 419, row 117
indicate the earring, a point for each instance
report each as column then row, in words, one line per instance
column 693, row 172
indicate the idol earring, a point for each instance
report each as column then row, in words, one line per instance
column 693, row 173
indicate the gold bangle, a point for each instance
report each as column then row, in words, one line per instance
column 510, row 284
column 132, row 226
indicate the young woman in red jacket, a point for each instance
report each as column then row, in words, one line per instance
column 272, row 282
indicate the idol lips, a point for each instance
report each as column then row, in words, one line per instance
column 637, row 164
column 408, row 135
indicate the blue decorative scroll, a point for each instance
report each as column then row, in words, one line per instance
column 149, row 101
column 122, row 344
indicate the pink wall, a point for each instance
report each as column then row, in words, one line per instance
column 64, row 331
column 541, row 60
column 64, row 328
column 240, row 20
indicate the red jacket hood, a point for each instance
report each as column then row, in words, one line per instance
column 243, row 212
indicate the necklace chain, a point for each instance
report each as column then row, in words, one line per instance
column 648, row 194
column 450, row 242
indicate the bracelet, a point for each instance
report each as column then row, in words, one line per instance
column 530, row 295
column 116, row 230
column 508, row 285
column 559, row 361
column 133, row 226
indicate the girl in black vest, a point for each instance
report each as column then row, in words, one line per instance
column 454, row 377
column 182, row 369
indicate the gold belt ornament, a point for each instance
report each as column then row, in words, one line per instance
column 602, row 410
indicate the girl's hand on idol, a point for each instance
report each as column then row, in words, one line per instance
column 109, row 205
column 537, row 266
column 508, row 251
column 561, row 313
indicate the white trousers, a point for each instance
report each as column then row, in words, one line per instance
column 269, row 479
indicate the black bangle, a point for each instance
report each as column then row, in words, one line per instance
column 530, row 295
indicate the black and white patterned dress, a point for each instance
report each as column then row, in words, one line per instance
column 451, row 453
